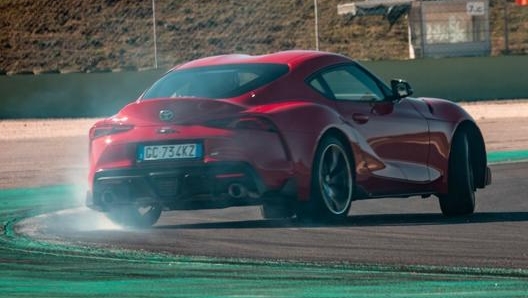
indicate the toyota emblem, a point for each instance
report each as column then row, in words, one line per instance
column 166, row 115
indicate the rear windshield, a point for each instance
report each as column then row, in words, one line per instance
column 220, row 81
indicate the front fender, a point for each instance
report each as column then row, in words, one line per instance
column 441, row 110
column 445, row 120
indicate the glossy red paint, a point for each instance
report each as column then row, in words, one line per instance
column 266, row 137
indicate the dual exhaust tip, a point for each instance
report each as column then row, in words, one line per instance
column 108, row 197
column 237, row 191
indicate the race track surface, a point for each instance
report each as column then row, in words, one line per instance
column 387, row 231
column 405, row 235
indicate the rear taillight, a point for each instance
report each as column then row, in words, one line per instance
column 108, row 129
column 247, row 122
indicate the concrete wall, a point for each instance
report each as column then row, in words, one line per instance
column 102, row 94
column 71, row 95
column 461, row 79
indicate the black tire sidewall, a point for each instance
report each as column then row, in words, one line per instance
column 316, row 208
column 460, row 199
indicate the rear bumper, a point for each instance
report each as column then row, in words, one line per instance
column 206, row 186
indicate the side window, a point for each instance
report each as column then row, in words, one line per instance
column 246, row 77
column 349, row 82
column 316, row 83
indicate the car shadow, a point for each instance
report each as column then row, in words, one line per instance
column 416, row 219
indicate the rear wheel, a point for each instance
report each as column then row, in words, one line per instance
column 332, row 183
column 135, row 216
column 460, row 199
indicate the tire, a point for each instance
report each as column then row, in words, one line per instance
column 460, row 199
column 332, row 183
column 132, row 216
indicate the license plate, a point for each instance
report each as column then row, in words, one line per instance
column 170, row 152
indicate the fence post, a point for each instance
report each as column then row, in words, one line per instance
column 506, row 28
column 155, row 35
column 316, row 16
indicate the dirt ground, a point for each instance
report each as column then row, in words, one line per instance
column 60, row 145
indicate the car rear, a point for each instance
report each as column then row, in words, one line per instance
column 221, row 163
column 188, row 152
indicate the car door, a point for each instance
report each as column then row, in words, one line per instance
column 392, row 134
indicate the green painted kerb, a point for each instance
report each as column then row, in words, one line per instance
column 507, row 156
column 31, row 268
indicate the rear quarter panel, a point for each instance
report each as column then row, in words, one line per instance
column 302, row 124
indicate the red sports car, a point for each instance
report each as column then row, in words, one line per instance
column 301, row 133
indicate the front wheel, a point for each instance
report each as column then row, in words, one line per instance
column 460, row 199
column 132, row 216
column 332, row 182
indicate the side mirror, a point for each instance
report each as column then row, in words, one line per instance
column 401, row 88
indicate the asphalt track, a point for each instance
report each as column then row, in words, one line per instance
column 51, row 247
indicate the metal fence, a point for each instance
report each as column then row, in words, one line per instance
column 450, row 28
column 435, row 28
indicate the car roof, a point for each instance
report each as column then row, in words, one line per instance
column 291, row 58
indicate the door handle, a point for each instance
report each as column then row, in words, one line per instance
column 360, row 118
